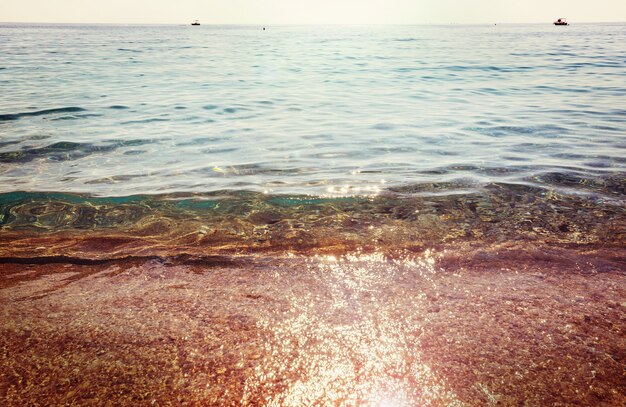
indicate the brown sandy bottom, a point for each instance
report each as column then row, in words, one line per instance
column 462, row 326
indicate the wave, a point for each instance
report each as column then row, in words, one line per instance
column 226, row 222
column 16, row 116
column 67, row 150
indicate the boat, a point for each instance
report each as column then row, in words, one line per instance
column 196, row 22
column 561, row 21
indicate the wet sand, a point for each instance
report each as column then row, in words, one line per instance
column 514, row 323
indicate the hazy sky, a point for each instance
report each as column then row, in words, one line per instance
column 310, row 11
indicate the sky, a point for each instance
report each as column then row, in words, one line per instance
column 269, row 12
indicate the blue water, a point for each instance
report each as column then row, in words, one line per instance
column 324, row 110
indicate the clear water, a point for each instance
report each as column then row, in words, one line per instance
column 324, row 110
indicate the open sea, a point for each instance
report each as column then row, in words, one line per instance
column 321, row 110
column 313, row 215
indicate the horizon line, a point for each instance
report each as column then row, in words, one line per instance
column 305, row 24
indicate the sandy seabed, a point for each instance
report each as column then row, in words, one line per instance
column 509, row 324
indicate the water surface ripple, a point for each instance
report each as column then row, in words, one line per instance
column 327, row 110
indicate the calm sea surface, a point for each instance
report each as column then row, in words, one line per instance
column 328, row 110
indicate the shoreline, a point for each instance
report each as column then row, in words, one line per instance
column 80, row 227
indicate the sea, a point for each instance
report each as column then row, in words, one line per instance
column 312, row 215
column 112, row 110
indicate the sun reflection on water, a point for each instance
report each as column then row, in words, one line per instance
column 351, row 338
column 352, row 190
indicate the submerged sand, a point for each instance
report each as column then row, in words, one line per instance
column 510, row 324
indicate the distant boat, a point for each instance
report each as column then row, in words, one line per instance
column 561, row 21
column 196, row 22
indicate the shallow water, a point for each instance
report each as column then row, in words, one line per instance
column 471, row 326
column 122, row 110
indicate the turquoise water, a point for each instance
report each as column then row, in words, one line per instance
column 328, row 110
